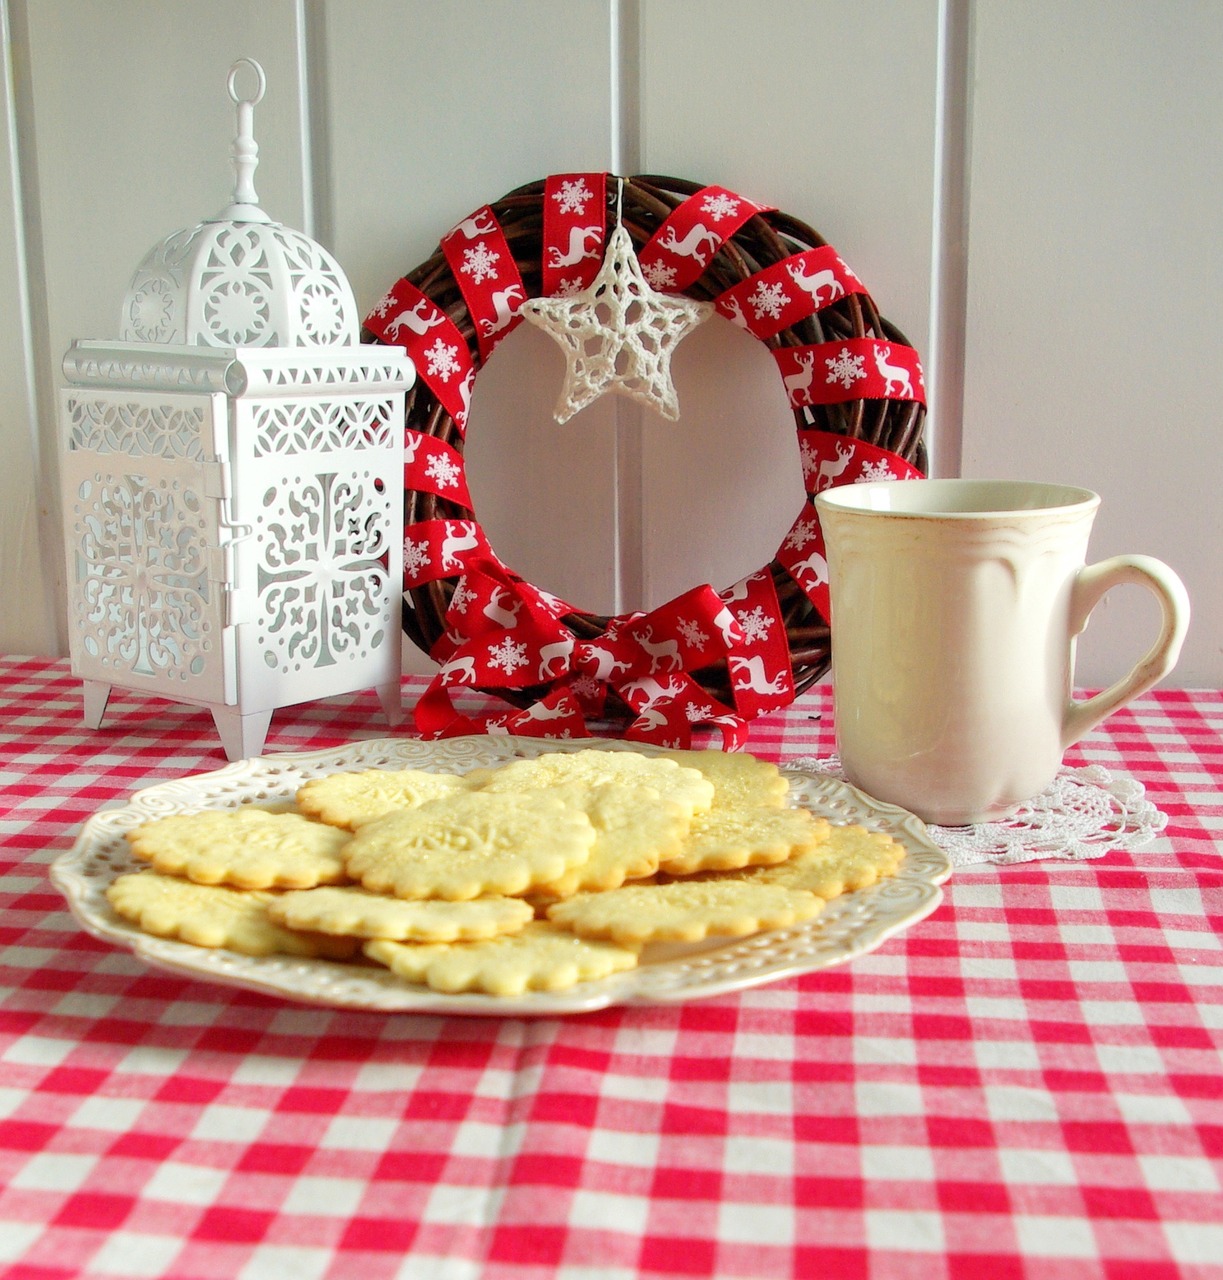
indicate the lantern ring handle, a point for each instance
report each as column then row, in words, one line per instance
column 261, row 80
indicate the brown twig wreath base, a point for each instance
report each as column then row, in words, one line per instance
column 645, row 201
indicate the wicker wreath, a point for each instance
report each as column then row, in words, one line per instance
column 642, row 204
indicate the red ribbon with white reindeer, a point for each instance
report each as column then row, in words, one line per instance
column 574, row 232
column 761, row 671
column 676, row 255
column 786, row 293
column 830, row 460
column 850, row 369
column 487, row 275
column 407, row 318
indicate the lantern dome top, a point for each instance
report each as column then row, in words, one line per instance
column 240, row 279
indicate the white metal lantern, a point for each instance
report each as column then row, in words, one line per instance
column 232, row 478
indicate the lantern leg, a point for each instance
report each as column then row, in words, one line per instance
column 391, row 697
column 242, row 736
column 97, row 695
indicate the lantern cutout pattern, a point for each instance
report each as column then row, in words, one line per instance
column 232, row 475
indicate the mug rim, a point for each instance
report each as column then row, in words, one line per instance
column 876, row 498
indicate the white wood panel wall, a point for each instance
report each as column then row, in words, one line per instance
column 1096, row 287
column 1086, row 321
column 796, row 103
column 442, row 108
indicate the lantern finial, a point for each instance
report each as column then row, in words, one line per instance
column 240, row 279
column 245, row 150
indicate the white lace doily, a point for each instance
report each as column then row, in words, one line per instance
column 1082, row 814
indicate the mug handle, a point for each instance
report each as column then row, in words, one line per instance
column 1093, row 582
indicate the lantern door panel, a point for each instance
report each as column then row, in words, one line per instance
column 145, row 534
column 318, row 571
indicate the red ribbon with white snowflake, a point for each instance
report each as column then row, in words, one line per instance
column 435, row 549
column 487, row 275
column 574, row 231
column 850, row 369
column 433, row 466
column 829, row 459
column 676, row 255
column 405, row 317
column 760, row 667
column 786, row 293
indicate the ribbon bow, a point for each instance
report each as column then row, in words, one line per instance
column 508, row 634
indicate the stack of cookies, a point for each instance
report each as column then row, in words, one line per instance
column 535, row 875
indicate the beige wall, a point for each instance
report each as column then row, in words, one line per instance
column 1030, row 191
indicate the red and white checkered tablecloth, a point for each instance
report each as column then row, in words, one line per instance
column 1027, row 1083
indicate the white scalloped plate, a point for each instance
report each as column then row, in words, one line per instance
column 848, row 927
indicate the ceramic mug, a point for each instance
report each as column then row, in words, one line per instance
column 955, row 608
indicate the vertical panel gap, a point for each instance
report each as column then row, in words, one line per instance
column 625, row 158
column 317, row 200
column 949, row 257
column 35, row 322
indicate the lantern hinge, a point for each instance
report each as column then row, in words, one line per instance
column 239, row 603
column 218, row 561
column 218, row 480
column 237, row 609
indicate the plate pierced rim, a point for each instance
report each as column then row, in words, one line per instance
column 848, row 927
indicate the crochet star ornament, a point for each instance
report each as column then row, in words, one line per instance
column 617, row 334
